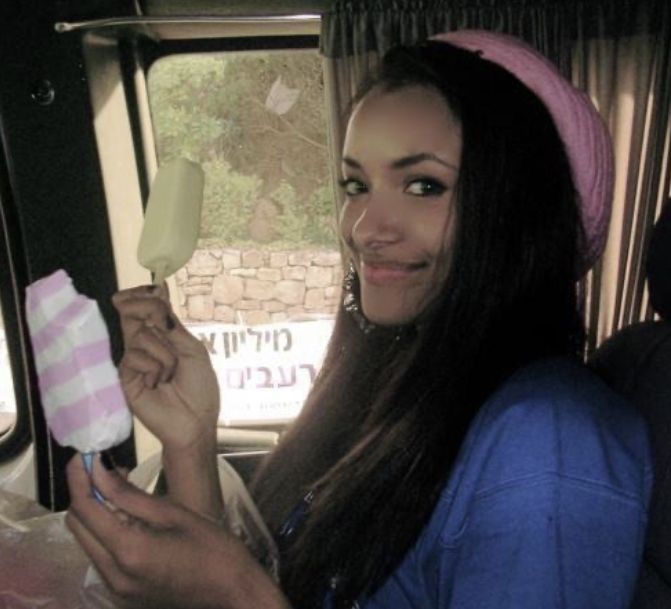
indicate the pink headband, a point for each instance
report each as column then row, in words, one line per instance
column 588, row 144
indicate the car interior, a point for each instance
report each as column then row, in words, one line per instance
column 94, row 97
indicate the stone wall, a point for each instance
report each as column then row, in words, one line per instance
column 256, row 287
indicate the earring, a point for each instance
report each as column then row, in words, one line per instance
column 352, row 304
column 351, row 300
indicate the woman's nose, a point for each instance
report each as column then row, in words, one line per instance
column 378, row 223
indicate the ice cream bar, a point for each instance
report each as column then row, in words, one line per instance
column 172, row 218
column 83, row 401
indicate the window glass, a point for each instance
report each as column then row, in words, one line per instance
column 7, row 398
column 263, row 286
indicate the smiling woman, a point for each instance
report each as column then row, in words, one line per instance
column 453, row 433
column 495, row 250
column 398, row 217
column 452, row 451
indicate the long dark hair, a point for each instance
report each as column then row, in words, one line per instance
column 388, row 413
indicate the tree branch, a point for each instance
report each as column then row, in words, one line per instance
column 294, row 129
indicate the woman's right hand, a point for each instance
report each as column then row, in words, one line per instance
column 171, row 387
column 165, row 371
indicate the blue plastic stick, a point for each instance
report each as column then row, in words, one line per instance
column 87, row 458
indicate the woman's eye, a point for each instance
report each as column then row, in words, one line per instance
column 352, row 187
column 425, row 187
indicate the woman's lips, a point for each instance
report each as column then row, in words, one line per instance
column 385, row 273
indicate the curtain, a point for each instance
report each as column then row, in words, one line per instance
column 624, row 63
column 617, row 51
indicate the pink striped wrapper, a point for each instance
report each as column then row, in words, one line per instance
column 82, row 398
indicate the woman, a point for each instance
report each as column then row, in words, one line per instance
column 453, row 451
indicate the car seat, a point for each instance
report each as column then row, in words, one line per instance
column 636, row 362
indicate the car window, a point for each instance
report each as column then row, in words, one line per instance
column 7, row 397
column 262, row 288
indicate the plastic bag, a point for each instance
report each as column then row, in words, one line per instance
column 43, row 567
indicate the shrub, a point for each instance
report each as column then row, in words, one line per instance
column 228, row 201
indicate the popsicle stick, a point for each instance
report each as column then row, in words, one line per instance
column 160, row 274
column 87, row 458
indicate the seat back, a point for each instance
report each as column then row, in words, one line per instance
column 636, row 362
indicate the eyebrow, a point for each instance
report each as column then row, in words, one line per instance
column 407, row 161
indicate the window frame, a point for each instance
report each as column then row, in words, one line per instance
column 13, row 273
column 125, row 56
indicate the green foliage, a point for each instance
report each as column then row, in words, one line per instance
column 324, row 221
column 211, row 108
column 304, row 222
column 292, row 224
column 228, row 202
column 182, row 90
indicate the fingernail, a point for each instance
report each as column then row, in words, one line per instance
column 169, row 322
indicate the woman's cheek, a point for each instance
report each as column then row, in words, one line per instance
column 347, row 221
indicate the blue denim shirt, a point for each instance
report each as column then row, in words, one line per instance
column 545, row 507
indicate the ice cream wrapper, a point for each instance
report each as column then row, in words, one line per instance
column 81, row 394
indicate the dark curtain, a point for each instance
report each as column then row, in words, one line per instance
column 618, row 51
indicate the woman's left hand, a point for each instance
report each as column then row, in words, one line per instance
column 151, row 550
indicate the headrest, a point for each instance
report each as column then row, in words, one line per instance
column 658, row 266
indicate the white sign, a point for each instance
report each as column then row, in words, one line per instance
column 264, row 371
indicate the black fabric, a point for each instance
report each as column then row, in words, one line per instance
column 652, row 591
